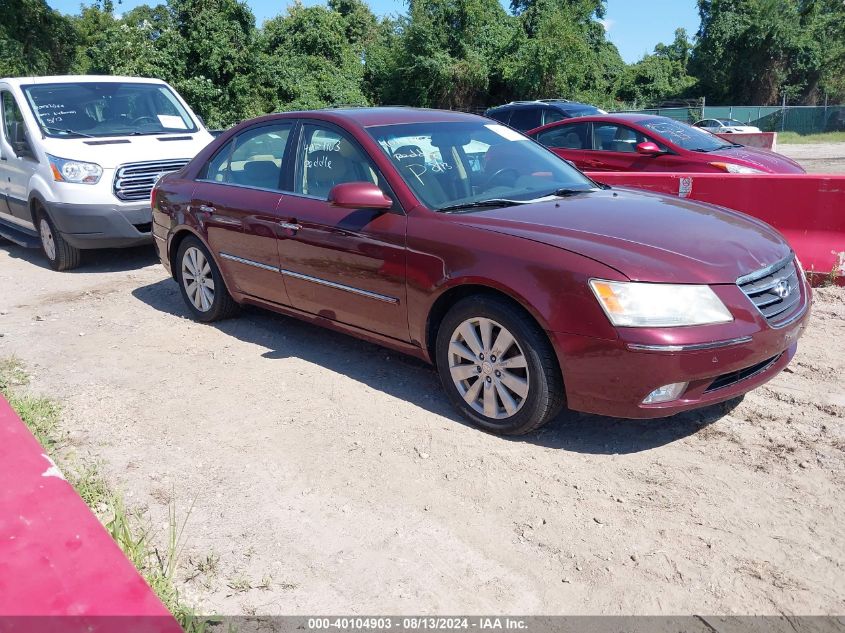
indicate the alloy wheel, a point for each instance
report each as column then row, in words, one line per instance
column 488, row 368
column 197, row 279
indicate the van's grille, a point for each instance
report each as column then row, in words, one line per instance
column 134, row 181
column 774, row 290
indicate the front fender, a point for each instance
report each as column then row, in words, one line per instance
column 549, row 282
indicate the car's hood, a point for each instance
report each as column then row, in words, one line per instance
column 758, row 158
column 645, row 236
column 109, row 152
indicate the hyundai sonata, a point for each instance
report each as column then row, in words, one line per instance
column 455, row 239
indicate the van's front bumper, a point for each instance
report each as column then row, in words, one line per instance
column 102, row 225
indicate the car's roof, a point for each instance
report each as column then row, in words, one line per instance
column 60, row 79
column 634, row 118
column 560, row 104
column 388, row 115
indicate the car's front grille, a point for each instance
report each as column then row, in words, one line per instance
column 726, row 380
column 775, row 291
column 134, row 181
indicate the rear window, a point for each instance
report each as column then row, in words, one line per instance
column 525, row 118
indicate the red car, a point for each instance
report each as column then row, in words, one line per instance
column 638, row 142
column 458, row 240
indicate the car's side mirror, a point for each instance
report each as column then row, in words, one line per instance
column 648, row 149
column 359, row 195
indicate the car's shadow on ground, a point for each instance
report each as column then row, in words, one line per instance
column 416, row 382
column 107, row 260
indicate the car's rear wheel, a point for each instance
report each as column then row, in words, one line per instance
column 497, row 366
column 202, row 284
column 60, row 254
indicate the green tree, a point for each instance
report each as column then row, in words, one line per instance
column 561, row 51
column 754, row 51
column 312, row 57
column 34, row 39
column 659, row 76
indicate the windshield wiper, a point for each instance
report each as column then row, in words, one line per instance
column 492, row 202
column 570, row 191
column 61, row 131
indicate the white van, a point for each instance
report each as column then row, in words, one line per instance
column 79, row 156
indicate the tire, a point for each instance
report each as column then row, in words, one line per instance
column 60, row 254
column 209, row 300
column 525, row 384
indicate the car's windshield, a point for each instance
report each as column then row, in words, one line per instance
column 465, row 163
column 107, row 109
column 684, row 135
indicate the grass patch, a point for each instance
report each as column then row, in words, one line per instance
column 157, row 566
column 794, row 138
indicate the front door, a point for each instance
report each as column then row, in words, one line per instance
column 238, row 196
column 345, row 265
column 18, row 162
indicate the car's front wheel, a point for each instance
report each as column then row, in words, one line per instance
column 497, row 366
column 201, row 283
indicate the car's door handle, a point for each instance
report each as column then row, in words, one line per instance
column 206, row 209
column 291, row 226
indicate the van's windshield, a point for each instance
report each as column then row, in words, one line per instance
column 107, row 109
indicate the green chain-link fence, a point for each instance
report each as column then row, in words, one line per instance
column 800, row 119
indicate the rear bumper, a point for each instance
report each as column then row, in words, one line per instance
column 608, row 378
column 102, row 225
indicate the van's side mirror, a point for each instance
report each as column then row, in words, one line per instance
column 19, row 141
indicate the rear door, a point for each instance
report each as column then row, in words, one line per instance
column 238, row 196
column 345, row 265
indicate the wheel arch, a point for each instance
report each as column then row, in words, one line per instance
column 459, row 291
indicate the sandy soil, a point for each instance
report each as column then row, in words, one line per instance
column 823, row 158
column 330, row 476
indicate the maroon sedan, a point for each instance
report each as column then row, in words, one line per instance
column 462, row 242
column 637, row 142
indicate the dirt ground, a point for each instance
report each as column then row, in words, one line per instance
column 823, row 158
column 328, row 475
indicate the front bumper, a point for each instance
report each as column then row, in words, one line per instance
column 608, row 377
column 102, row 225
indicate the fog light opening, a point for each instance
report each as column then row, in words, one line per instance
column 665, row 393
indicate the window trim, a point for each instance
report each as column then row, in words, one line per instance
column 232, row 144
column 293, row 171
column 4, row 91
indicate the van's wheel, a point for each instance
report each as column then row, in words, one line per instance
column 497, row 366
column 202, row 284
column 60, row 254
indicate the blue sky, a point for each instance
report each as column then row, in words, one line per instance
column 635, row 26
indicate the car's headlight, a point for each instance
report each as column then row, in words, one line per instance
column 636, row 304
column 65, row 170
column 737, row 169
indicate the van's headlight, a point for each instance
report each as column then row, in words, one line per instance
column 65, row 170
column 636, row 304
